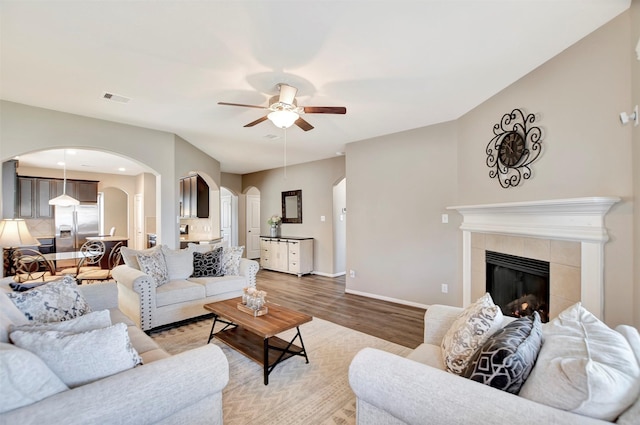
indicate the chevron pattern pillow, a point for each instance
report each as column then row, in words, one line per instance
column 506, row 359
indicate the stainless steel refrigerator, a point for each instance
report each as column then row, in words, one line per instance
column 74, row 224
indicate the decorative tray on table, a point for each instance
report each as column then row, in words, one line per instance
column 255, row 313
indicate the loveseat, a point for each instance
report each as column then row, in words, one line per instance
column 151, row 303
column 416, row 390
column 165, row 389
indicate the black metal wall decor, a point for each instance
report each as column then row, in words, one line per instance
column 514, row 147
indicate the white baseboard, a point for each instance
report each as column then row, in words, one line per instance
column 383, row 298
column 329, row 274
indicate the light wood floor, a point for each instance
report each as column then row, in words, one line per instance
column 325, row 298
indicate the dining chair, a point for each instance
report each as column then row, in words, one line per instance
column 91, row 256
column 31, row 266
column 115, row 257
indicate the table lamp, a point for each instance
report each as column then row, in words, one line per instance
column 14, row 234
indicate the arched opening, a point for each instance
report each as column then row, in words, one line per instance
column 114, row 186
column 114, row 212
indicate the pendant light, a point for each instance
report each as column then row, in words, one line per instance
column 64, row 200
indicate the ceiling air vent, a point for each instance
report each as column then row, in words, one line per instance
column 115, row 97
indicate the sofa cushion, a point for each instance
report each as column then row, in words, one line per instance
column 81, row 358
column 178, row 291
column 155, row 266
column 207, row 264
column 130, row 256
column 506, row 359
column 200, row 247
column 231, row 260
column 469, row 331
column 584, row 367
column 55, row 301
column 179, row 262
column 9, row 315
column 24, row 378
column 94, row 320
column 220, row 285
column 428, row 354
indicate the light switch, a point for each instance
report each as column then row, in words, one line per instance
column 323, row 218
column 445, row 218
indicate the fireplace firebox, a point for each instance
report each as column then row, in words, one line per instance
column 518, row 285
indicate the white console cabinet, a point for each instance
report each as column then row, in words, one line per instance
column 289, row 255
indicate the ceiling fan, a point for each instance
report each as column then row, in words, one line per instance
column 284, row 110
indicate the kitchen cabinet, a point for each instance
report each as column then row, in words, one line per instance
column 194, row 197
column 289, row 255
column 33, row 197
column 34, row 194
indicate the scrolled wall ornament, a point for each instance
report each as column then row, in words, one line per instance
column 516, row 144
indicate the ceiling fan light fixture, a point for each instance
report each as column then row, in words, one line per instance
column 283, row 119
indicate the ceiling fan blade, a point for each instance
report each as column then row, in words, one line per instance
column 303, row 124
column 258, row 121
column 242, row 104
column 325, row 110
column 287, row 94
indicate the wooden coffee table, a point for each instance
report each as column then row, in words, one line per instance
column 255, row 337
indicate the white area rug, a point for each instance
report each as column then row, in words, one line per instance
column 298, row 393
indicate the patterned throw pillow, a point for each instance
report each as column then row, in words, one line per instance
column 81, row 358
column 154, row 265
column 53, row 302
column 208, row 263
column 231, row 260
column 469, row 331
column 506, row 359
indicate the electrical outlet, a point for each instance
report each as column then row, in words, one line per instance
column 352, row 273
column 445, row 288
column 445, row 218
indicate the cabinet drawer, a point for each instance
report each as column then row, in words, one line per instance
column 294, row 266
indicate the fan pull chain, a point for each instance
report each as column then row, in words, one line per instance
column 285, row 153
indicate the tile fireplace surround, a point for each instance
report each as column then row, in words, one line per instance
column 569, row 233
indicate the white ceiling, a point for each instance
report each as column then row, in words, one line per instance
column 395, row 65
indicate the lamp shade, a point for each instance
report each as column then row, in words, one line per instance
column 283, row 119
column 14, row 233
column 64, row 200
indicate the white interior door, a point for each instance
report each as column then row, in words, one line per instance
column 138, row 226
column 225, row 219
column 253, row 226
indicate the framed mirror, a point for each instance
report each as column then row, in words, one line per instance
column 292, row 206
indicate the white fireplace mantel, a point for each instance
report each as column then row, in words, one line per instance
column 574, row 219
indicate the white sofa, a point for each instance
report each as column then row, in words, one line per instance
column 180, row 389
column 182, row 297
column 417, row 390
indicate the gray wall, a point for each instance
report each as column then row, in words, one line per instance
column 399, row 185
column 316, row 179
